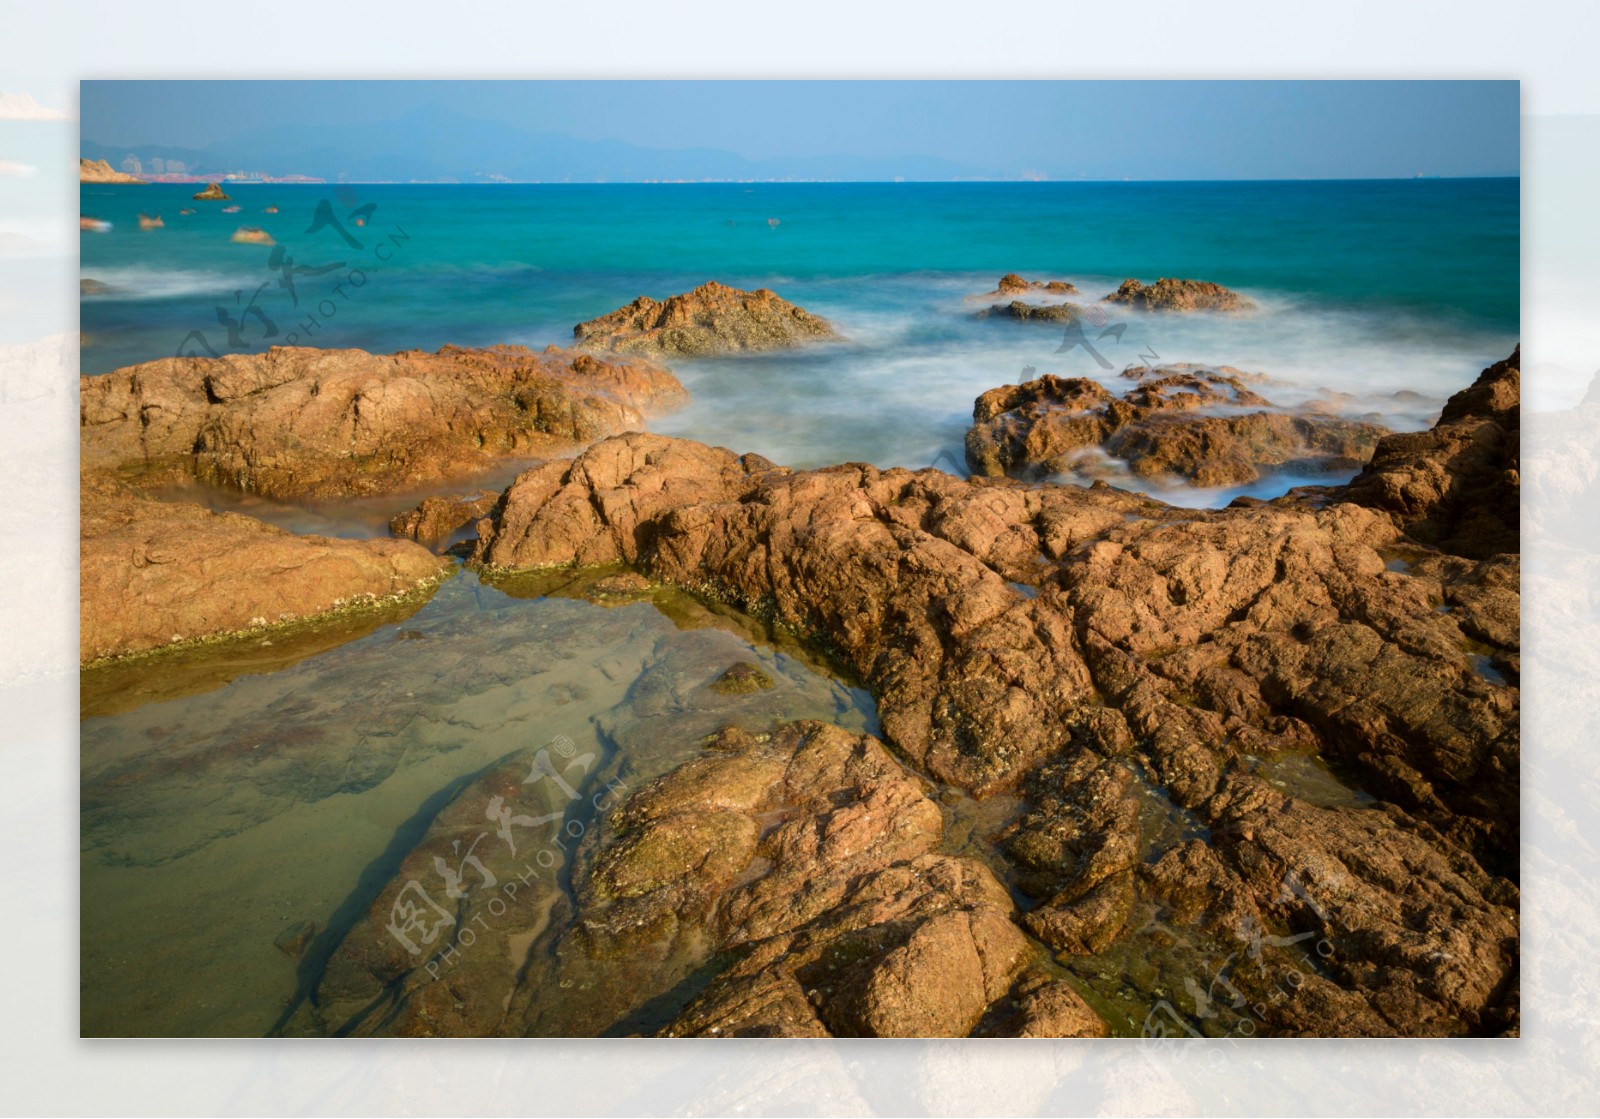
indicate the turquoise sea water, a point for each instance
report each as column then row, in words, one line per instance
column 1365, row 287
column 217, row 816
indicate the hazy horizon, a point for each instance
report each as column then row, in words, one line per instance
column 594, row 131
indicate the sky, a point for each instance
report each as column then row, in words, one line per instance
column 1059, row 130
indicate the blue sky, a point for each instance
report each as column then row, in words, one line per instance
column 1060, row 130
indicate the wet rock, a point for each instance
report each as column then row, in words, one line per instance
column 1457, row 486
column 1044, row 1007
column 294, row 940
column 844, row 920
column 1165, row 652
column 1033, row 312
column 436, row 519
column 251, row 235
column 297, row 422
column 1178, row 295
column 624, row 584
column 741, row 679
column 712, row 319
column 1208, row 428
column 155, row 574
column 212, row 193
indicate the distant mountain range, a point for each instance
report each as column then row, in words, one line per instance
column 435, row 144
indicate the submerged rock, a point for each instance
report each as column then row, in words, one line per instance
column 1178, row 295
column 294, row 940
column 742, row 678
column 1207, row 428
column 297, row 422
column 712, row 319
column 1044, row 638
column 252, row 235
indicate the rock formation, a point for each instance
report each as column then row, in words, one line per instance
column 296, row 422
column 711, row 319
column 155, row 574
column 251, row 235
column 1207, row 428
column 1012, row 285
column 1456, row 486
column 212, row 193
column 1178, row 295
column 99, row 171
column 1033, row 312
column 1119, row 662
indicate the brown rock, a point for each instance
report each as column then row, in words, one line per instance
column 1178, row 295
column 212, row 193
column 296, row 422
column 155, row 574
column 433, row 522
column 711, row 319
column 99, row 171
column 252, row 235
column 1180, row 423
column 1194, row 646
column 1012, row 284
column 1457, row 486
column 1033, row 312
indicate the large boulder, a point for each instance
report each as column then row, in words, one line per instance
column 1203, row 427
column 712, row 319
column 297, row 422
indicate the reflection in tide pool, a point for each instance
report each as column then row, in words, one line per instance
column 216, row 824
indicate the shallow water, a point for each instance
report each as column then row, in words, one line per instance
column 212, row 823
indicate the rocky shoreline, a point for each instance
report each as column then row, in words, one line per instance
column 1137, row 677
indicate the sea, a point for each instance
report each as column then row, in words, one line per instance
column 242, row 807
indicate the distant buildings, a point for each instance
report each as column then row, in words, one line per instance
column 132, row 166
column 177, row 167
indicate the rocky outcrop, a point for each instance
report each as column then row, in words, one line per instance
column 1121, row 662
column 1033, row 312
column 1178, row 295
column 157, row 574
column 296, row 422
column 1457, row 486
column 99, row 171
column 436, row 519
column 712, row 319
column 1208, row 428
column 212, row 193
column 802, row 865
column 1012, row 285
column 251, row 235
